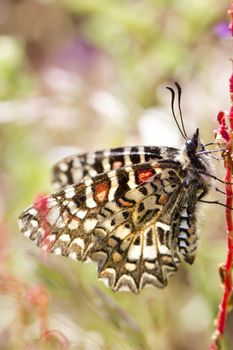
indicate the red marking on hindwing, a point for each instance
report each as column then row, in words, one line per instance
column 144, row 175
column 101, row 191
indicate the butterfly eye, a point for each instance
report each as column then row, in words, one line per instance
column 191, row 145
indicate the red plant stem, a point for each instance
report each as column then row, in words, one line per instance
column 226, row 268
column 225, row 132
column 228, row 265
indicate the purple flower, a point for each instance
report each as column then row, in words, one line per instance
column 77, row 54
column 222, row 30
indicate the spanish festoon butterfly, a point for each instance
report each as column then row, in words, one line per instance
column 130, row 210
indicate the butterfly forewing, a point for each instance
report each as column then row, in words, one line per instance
column 72, row 169
column 128, row 221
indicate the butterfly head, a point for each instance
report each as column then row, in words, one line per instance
column 194, row 154
column 194, row 145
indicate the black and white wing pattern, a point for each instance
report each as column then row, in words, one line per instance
column 73, row 169
column 135, row 222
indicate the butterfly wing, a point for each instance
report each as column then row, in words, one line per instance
column 128, row 221
column 133, row 254
column 73, row 169
column 70, row 206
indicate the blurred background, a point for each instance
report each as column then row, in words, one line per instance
column 87, row 75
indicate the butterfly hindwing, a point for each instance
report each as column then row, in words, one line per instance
column 134, row 255
column 136, row 252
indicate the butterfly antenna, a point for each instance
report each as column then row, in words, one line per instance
column 179, row 106
column 173, row 111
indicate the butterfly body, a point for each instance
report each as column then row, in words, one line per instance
column 132, row 211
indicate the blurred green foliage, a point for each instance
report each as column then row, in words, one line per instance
column 14, row 81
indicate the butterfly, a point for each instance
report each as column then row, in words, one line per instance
column 131, row 210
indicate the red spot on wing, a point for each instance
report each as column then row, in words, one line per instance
column 101, row 191
column 144, row 175
column 41, row 205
